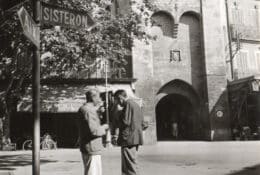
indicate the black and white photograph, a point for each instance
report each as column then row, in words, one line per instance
column 129, row 87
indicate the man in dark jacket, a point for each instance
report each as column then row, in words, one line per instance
column 131, row 125
column 90, row 133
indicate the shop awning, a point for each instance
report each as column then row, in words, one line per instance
column 67, row 98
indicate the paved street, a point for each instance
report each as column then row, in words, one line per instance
column 167, row 158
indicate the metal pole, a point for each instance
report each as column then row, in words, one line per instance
column 108, row 134
column 36, row 95
column 229, row 41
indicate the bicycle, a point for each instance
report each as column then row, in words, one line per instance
column 46, row 143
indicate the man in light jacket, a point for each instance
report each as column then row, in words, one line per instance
column 90, row 133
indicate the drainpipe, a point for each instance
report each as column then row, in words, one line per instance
column 229, row 41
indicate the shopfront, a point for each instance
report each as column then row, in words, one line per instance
column 59, row 106
column 244, row 97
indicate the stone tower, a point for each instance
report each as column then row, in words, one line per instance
column 182, row 75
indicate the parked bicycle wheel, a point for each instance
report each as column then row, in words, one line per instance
column 27, row 145
column 47, row 145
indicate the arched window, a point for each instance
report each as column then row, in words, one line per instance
column 165, row 21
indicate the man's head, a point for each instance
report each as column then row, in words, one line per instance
column 93, row 96
column 121, row 96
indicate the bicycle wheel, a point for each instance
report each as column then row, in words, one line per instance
column 49, row 145
column 27, row 145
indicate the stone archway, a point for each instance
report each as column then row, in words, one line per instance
column 165, row 21
column 178, row 102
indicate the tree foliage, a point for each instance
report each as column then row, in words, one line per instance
column 67, row 53
column 73, row 50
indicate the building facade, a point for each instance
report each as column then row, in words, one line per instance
column 183, row 75
column 185, row 70
column 245, row 32
column 244, row 89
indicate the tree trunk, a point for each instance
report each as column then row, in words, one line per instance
column 7, row 103
column 4, row 124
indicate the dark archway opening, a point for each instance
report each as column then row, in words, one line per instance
column 175, row 109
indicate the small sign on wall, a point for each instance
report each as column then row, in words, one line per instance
column 219, row 111
column 175, row 55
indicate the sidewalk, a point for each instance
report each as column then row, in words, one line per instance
column 167, row 158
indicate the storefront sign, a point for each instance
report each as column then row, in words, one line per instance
column 58, row 16
column 69, row 106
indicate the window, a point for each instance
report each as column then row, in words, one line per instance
column 121, row 69
column 246, row 22
column 257, row 57
column 237, row 16
column 242, row 63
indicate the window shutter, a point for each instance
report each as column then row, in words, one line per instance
column 236, row 16
column 257, row 54
column 242, row 63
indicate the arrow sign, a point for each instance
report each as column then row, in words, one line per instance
column 55, row 15
column 30, row 29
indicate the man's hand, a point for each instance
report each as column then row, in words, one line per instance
column 145, row 125
column 102, row 109
column 119, row 107
column 105, row 126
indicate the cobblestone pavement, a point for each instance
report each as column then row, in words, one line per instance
column 166, row 158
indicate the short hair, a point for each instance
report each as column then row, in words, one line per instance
column 90, row 94
column 120, row 92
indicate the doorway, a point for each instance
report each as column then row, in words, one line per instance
column 178, row 112
column 175, row 112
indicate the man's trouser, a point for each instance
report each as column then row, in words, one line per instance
column 92, row 164
column 129, row 160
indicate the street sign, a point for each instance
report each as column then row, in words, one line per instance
column 30, row 29
column 59, row 16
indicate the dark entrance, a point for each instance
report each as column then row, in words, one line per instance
column 179, row 113
column 61, row 126
column 175, row 109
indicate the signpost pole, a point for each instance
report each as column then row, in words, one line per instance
column 108, row 134
column 36, row 95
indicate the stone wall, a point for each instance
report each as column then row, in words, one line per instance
column 214, row 25
column 153, row 67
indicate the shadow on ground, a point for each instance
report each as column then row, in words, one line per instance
column 254, row 170
column 12, row 162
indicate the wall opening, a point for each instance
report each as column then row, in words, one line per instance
column 175, row 109
column 178, row 110
column 165, row 21
column 190, row 32
column 61, row 126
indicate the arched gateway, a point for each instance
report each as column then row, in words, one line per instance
column 177, row 102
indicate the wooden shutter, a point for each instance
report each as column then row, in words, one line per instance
column 243, row 64
column 257, row 56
